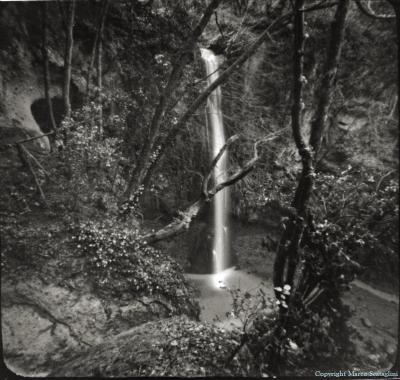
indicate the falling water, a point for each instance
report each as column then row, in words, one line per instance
column 221, row 199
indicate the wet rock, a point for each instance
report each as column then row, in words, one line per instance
column 366, row 322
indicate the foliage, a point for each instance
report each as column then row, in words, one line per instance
column 120, row 262
column 316, row 315
column 89, row 161
column 194, row 349
column 358, row 210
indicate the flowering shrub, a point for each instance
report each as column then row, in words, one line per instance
column 121, row 262
column 89, row 160
column 132, row 204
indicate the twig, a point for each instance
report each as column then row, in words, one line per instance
column 382, row 178
column 35, row 160
column 214, row 162
column 26, row 162
column 26, row 140
column 218, row 25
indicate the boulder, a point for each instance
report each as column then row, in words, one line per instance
column 43, row 322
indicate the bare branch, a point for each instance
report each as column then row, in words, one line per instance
column 243, row 171
column 181, row 224
column 24, row 156
column 26, row 140
column 214, row 162
column 318, row 7
column 368, row 11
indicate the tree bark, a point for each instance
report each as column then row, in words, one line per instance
column 288, row 247
column 68, row 59
column 46, row 69
column 325, row 92
column 287, row 254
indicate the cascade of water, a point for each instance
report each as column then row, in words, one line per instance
column 221, row 199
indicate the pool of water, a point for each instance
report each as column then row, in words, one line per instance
column 216, row 299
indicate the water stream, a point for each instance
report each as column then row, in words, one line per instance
column 215, row 126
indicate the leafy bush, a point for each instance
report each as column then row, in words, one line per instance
column 89, row 160
column 359, row 211
column 196, row 349
column 120, row 262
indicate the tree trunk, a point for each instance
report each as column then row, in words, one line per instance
column 99, row 85
column 179, row 225
column 288, row 247
column 325, row 92
column 396, row 7
column 291, row 239
column 95, row 48
column 139, row 174
column 99, row 66
column 149, row 166
column 46, row 69
column 68, row 60
column 145, row 164
column 182, row 223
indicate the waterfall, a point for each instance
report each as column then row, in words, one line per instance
column 221, row 199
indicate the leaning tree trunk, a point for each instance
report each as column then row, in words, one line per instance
column 68, row 59
column 46, row 69
column 182, row 223
column 141, row 169
column 168, row 141
column 145, row 165
column 287, row 254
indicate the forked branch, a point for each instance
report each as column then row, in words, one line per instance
column 182, row 223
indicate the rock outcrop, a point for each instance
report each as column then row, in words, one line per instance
column 43, row 321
